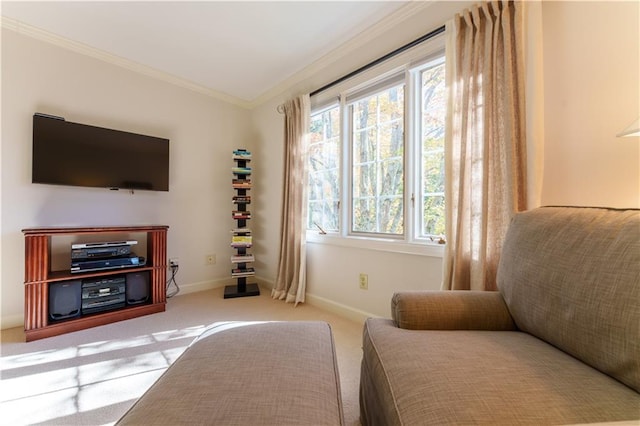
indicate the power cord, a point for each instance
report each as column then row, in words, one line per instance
column 172, row 279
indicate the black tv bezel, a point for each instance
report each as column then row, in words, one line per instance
column 103, row 135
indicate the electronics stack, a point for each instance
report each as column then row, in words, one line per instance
column 113, row 291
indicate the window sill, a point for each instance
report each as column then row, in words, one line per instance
column 379, row 244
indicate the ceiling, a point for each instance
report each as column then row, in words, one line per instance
column 237, row 49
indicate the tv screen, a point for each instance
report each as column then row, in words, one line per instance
column 66, row 153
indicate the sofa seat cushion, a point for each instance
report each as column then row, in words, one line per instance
column 248, row 373
column 416, row 377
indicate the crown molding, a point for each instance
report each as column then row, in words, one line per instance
column 377, row 29
column 83, row 49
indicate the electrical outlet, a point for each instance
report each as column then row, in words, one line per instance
column 210, row 259
column 364, row 281
column 173, row 261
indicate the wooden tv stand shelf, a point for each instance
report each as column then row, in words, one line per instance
column 38, row 275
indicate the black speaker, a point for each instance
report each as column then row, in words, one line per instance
column 137, row 287
column 65, row 299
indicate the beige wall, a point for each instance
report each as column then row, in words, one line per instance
column 588, row 92
column 591, row 93
column 41, row 77
column 333, row 271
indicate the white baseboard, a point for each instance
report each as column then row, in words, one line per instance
column 317, row 301
column 202, row 286
column 338, row 308
column 328, row 305
column 11, row 321
column 223, row 282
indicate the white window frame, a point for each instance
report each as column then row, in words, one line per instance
column 321, row 110
column 375, row 88
column 417, row 164
column 410, row 64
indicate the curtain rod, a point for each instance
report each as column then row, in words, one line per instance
column 381, row 59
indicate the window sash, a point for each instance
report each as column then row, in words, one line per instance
column 380, row 85
column 377, row 160
column 431, row 189
column 413, row 196
column 325, row 164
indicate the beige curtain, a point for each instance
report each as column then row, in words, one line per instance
column 291, row 279
column 485, row 147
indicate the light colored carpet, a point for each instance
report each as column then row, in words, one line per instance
column 92, row 377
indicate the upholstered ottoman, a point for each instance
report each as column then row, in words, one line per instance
column 248, row 373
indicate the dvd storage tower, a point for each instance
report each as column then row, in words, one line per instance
column 241, row 239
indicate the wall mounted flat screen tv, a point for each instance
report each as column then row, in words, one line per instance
column 66, row 153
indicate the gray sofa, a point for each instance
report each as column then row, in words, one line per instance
column 559, row 343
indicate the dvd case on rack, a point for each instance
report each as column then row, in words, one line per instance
column 242, row 258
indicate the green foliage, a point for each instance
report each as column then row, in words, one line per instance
column 378, row 174
column 324, row 170
column 377, row 169
column 433, row 127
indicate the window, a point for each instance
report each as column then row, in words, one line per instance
column 376, row 163
column 433, row 111
column 377, row 132
column 324, row 170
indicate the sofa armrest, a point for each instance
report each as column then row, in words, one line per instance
column 451, row 310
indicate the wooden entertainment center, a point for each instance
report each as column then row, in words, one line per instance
column 38, row 275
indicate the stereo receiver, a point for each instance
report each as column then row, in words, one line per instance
column 101, row 294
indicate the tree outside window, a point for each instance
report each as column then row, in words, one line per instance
column 378, row 149
column 433, row 113
column 362, row 139
column 324, row 170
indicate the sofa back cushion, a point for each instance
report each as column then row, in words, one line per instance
column 571, row 276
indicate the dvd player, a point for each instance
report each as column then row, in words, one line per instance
column 100, row 252
column 103, row 244
column 102, row 264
